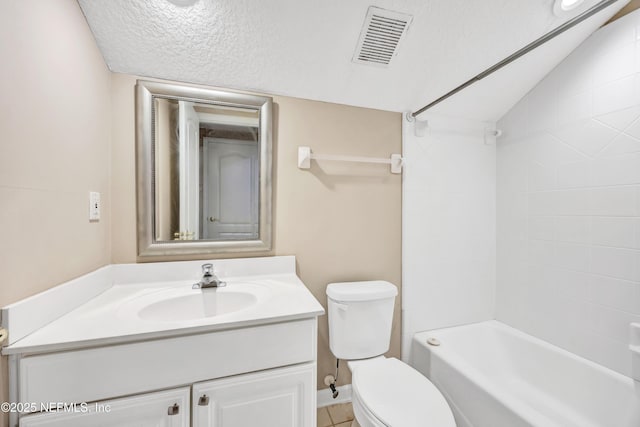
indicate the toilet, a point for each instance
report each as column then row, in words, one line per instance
column 386, row 392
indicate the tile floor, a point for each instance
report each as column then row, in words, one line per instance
column 340, row 415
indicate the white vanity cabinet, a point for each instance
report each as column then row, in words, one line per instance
column 161, row 409
column 278, row 397
column 282, row 397
column 258, row 375
column 136, row 345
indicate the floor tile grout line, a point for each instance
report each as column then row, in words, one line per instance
column 330, row 417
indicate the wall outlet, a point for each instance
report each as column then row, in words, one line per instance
column 94, row 206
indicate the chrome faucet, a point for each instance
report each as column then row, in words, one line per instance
column 209, row 279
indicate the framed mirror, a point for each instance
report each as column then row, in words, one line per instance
column 203, row 170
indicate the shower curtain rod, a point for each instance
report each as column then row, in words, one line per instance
column 509, row 59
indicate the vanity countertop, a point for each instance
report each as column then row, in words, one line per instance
column 114, row 316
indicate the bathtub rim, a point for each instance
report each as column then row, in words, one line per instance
column 479, row 380
column 496, row 324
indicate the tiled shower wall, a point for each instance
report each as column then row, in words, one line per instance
column 568, row 201
column 448, row 224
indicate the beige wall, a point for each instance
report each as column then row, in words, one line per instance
column 55, row 127
column 633, row 5
column 342, row 221
column 68, row 128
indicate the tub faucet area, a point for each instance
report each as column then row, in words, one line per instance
column 209, row 279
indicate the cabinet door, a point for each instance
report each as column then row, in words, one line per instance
column 283, row 397
column 162, row 409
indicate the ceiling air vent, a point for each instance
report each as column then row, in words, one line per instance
column 381, row 33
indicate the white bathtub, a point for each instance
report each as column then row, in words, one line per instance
column 495, row 376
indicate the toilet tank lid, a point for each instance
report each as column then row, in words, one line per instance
column 361, row 291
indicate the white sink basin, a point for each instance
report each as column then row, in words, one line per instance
column 206, row 303
column 183, row 304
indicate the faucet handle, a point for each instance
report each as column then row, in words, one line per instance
column 207, row 269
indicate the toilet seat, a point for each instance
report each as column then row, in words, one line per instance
column 399, row 396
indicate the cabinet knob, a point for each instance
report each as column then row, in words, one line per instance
column 174, row 410
column 204, row 400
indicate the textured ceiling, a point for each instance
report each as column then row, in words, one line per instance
column 303, row 48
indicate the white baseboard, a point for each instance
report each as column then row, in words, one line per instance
column 325, row 397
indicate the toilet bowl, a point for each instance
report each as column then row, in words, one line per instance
column 386, row 392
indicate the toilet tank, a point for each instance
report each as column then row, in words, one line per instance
column 360, row 318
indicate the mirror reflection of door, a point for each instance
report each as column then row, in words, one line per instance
column 189, row 141
column 230, row 189
column 207, row 171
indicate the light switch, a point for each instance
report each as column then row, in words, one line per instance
column 94, row 206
